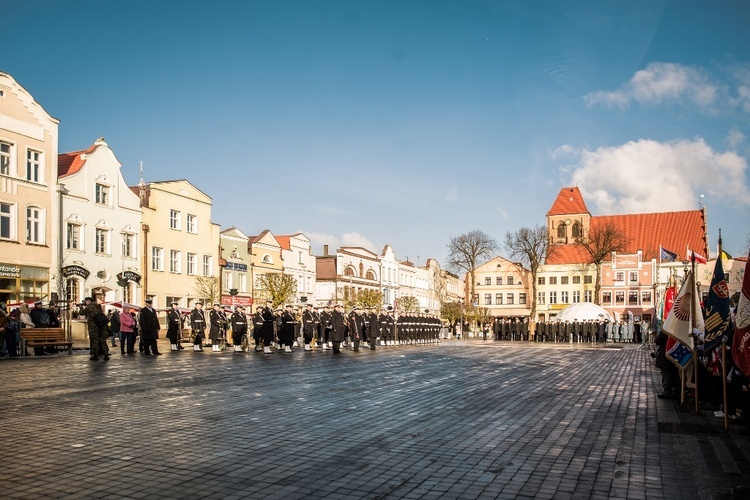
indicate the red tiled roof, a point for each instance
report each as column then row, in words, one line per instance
column 569, row 201
column 674, row 231
column 284, row 242
column 71, row 163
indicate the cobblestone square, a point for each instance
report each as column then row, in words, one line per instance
column 463, row 419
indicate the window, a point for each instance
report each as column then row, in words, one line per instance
column 646, row 297
column 553, row 297
column 191, row 222
column 563, row 280
column 190, row 263
column 561, row 230
column 606, row 297
column 157, row 259
column 6, row 221
column 633, row 277
column 299, row 258
column 102, row 241
column 72, row 290
column 228, row 284
column 174, row 261
column 4, row 158
column 499, row 299
column 540, row 298
column 34, row 169
column 499, row 280
column 553, row 280
column 522, row 298
column 633, row 297
column 207, row 266
column 587, row 280
column 173, row 299
column 488, row 299
column 588, row 296
column 619, row 298
column 102, row 194
column 619, row 276
column 487, row 280
column 576, row 230
column 476, row 299
column 564, row 297
column 128, row 245
column 35, row 225
column 73, row 241
column 540, row 280
column 174, row 220
column 576, row 280
column 370, row 275
column 509, row 280
column 509, row 299
column 576, row 296
column 242, row 278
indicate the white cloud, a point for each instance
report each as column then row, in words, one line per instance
column 357, row 240
column 354, row 239
column 649, row 176
column 660, row 82
column 735, row 138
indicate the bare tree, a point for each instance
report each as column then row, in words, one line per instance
column 529, row 247
column 407, row 304
column 207, row 288
column 370, row 298
column 600, row 242
column 277, row 287
column 468, row 251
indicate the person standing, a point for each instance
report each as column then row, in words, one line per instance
column 218, row 321
column 308, row 326
column 338, row 328
column 239, row 327
column 198, row 326
column 96, row 322
column 287, row 329
column 258, row 328
column 326, row 327
column 114, row 328
column 268, row 325
column 373, row 328
column 174, row 322
column 356, row 327
column 149, row 329
column 384, row 322
column 127, row 332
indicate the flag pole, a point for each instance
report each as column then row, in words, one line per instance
column 693, row 314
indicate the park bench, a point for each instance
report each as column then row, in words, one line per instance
column 44, row 337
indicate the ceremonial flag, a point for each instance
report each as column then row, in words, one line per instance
column 669, row 301
column 680, row 323
column 741, row 341
column 725, row 255
column 696, row 257
column 717, row 308
column 678, row 353
column 666, row 255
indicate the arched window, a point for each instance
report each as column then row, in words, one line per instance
column 576, row 230
column 349, row 271
column 370, row 275
column 562, row 230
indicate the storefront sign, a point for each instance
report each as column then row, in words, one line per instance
column 10, row 271
column 79, row 271
column 236, row 266
column 129, row 276
column 229, row 300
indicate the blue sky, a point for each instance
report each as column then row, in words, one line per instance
column 405, row 122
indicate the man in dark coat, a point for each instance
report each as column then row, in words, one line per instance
column 386, row 324
column 669, row 373
column 326, row 327
column 174, row 322
column 267, row 332
column 149, row 329
column 309, row 326
column 258, row 328
column 287, row 328
column 373, row 328
column 239, row 327
column 218, row 321
column 356, row 325
column 198, row 325
column 97, row 332
column 338, row 330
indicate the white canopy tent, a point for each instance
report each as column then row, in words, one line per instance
column 583, row 311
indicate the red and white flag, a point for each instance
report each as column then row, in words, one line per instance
column 741, row 341
column 680, row 321
column 696, row 257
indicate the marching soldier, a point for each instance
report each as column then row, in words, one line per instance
column 198, row 325
column 258, row 328
column 269, row 318
column 326, row 327
column 308, row 326
column 385, row 325
column 218, row 319
column 356, row 326
column 317, row 326
column 174, row 322
column 338, row 328
column 373, row 329
column 239, row 327
column 286, row 336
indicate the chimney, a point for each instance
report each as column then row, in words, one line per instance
column 325, row 250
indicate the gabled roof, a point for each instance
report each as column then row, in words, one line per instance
column 284, row 242
column 258, row 239
column 569, row 201
column 71, row 163
column 674, row 231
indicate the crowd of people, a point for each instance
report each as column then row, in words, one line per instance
column 567, row 331
column 268, row 330
column 12, row 322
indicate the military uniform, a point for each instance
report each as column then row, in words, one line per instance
column 198, row 326
column 309, row 326
column 218, row 321
column 326, row 327
column 174, row 321
column 268, row 327
column 97, row 335
column 149, row 329
column 338, row 328
column 239, row 327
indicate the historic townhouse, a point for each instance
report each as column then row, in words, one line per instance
column 502, row 287
column 265, row 257
column 180, row 242
column 349, row 271
column 389, row 275
column 236, row 264
column 101, row 220
column 29, row 212
column 299, row 262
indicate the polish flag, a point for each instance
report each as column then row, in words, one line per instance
column 697, row 257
